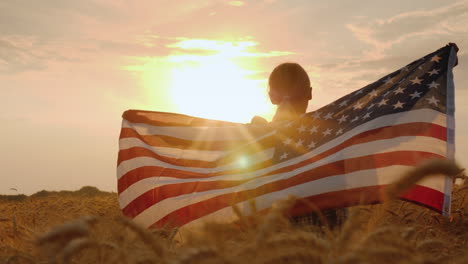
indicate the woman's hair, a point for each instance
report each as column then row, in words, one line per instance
column 289, row 87
column 288, row 81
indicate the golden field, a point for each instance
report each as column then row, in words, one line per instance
column 86, row 226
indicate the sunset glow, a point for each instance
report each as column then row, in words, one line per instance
column 214, row 85
column 69, row 69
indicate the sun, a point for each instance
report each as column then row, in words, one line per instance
column 215, row 86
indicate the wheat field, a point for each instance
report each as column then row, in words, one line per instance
column 86, row 226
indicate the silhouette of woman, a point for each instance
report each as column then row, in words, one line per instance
column 290, row 90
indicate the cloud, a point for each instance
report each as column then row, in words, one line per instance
column 389, row 43
column 18, row 54
column 228, row 49
column 32, row 35
column 384, row 34
column 421, row 20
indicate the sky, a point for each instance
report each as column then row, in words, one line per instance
column 69, row 69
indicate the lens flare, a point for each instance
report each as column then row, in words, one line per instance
column 243, row 162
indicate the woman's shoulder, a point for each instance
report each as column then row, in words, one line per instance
column 258, row 120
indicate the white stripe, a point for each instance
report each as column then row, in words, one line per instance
column 425, row 144
column 202, row 155
column 129, row 165
column 385, row 176
column 241, row 132
column 420, row 115
column 363, row 178
column 193, row 133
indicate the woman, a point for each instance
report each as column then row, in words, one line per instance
column 290, row 90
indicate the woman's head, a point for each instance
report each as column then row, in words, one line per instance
column 289, row 88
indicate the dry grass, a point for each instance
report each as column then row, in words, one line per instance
column 87, row 227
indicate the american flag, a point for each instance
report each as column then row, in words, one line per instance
column 183, row 171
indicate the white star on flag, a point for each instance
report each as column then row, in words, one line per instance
column 367, row 115
column 328, row 116
column 301, row 129
column 299, row 143
column 416, row 80
column 388, row 80
column 284, row 156
column 316, row 115
column 358, row 105
column 340, row 131
column 311, row 145
column 398, row 105
column 344, row 103
column 327, row 132
column 313, row 129
column 383, row 102
column 373, row 93
column 433, row 85
column 287, row 141
column 399, row 90
column 434, row 71
column 342, row 119
column 416, row 94
column 436, row 58
column 432, row 100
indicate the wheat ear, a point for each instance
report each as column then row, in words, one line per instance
column 145, row 236
column 410, row 178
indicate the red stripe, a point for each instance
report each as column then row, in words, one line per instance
column 148, row 172
column 340, row 167
column 418, row 194
column 226, row 158
column 130, row 153
column 173, row 142
column 411, row 129
column 368, row 195
column 171, row 119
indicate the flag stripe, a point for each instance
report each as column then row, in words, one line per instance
column 137, row 148
column 179, row 157
column 333, row 199
column 230, row 133
column 190, row 138
column 258, row 160
column 143, row 171
column 421, row 116
column 171, row 119
column 431, row 145
column 188, row 211
column 149, row 198
column 176, row 155
column 170, row 141
column 133, row 147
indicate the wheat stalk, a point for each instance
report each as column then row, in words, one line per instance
column 145, row 236
column 410, row 178
column 74, row 247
